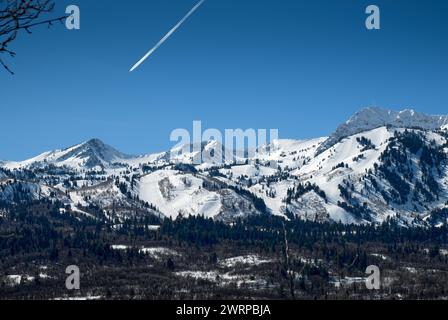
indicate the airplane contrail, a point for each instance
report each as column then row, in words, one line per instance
column 167, row 36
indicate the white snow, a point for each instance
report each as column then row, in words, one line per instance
column 374, row 117
column 155, row 252
column 381, row 256
column 120, row 247
column 222, row 279
column 76, row 157
column 411, row 269
column 175, row 193
column 346, row 281
column 13, row 280
column 252, row 260
column 84, row 298
column 159, row 252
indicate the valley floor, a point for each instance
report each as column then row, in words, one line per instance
column 253, row 275
column 197, row 258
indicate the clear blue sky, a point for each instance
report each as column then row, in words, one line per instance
column 300, row 66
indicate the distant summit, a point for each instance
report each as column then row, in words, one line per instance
column 87, row 155
column 95, row 152
column 374, row 117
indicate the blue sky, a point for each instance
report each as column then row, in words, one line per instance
column 300, row 66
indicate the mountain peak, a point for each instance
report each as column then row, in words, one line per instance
column 208, row 151
column 375, row 117
column 95, row 142
column 95, row 152
column 89, row 154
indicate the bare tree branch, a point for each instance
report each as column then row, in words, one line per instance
column 17, row 15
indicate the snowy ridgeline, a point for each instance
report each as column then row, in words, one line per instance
column 380, row 164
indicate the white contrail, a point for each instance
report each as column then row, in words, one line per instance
column 167, row 36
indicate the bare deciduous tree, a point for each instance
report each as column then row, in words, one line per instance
column 21, row 15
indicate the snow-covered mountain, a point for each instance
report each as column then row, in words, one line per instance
column 205, row 153
column 87, row 155
column 379, row 165
column 374, row 117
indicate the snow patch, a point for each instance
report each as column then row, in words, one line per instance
column 252, row 260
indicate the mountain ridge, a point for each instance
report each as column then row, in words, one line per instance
column 391, row 166
column 374, row 117
column 366, row 119
column 89, row 154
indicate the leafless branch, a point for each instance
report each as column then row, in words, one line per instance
column 17, row 15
